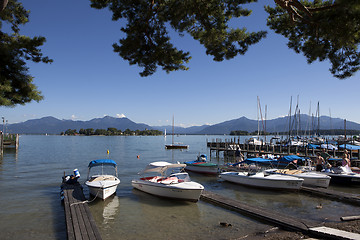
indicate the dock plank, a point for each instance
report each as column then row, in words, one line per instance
column 80, row 223
column 334, row 233
column 328, row 193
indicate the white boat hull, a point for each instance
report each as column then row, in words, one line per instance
column 185, row 190
column 103, row 188
column 312, row 179
column 272, row 181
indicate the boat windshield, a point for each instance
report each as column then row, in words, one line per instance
column 181, row 176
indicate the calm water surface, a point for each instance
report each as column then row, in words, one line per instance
column 31, row 208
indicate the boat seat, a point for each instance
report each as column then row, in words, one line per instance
column 170, row 180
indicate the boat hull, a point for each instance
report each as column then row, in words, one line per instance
column 190, row 191
column 203, row 169
column 176, row 146
column 353, row 179
column 272, row 181
column 311, row 179
column 102, row 189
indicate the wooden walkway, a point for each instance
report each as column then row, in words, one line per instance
column 287, row 222
column 327, row 193
column 278, row 219
column 80, row 223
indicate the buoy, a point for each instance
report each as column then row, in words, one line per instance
column 138, row 156
column 108, row 152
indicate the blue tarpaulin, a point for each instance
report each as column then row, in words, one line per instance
column 350, row 147
column 256, row 160
column 313, row 146
column 289, row 158
column 100, row 162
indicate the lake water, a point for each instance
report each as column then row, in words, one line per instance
column 30, row 179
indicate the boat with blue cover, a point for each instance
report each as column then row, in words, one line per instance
column 101, row 184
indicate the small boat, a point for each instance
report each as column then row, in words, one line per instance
column 342, row 175
column 261, row 180
column 167, row 183
column 201, row 165
column 176, row 146
column 313, row 179
column 102, row 185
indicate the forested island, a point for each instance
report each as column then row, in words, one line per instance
column 111, row 132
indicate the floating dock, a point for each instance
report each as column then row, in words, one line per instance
column 80, row 224
column 286, row 222
column 327, row 193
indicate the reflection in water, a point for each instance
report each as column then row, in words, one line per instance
column 111, row 207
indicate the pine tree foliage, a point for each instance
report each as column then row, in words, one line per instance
column 320, row 30
column 16, row 85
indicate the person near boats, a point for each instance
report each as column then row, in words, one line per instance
column 325, row 155
column 238, row 155
column 319, row 162
column 346, row 159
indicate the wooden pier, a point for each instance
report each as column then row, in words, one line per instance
column 80, row 224
column 229, row 147
column 286, row 222
column 335, row 195
column 8, row 141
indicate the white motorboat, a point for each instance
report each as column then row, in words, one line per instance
column 342, row 175
column 167, row 183
column 201, row 165
column 102, row 185
column 272, row 181
column 312, row 179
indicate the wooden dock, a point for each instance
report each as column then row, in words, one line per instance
column 80, row 224
column 229, row 147
column 336, row 195
column 286, row 222
column 8, row 141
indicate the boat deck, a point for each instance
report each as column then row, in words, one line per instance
column 80, row 224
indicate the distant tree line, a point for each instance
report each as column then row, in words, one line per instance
column 302, row 132
column 112, row 132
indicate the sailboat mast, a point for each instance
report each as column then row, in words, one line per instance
column 173, row 122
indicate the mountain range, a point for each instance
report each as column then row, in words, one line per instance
column 51, row 125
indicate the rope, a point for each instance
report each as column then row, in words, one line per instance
column 88, row 201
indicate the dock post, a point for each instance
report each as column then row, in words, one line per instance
column 16, row 141
column 1, row 144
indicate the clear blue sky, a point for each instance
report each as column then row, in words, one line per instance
column 88, row 80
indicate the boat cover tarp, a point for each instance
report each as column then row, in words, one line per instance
column 313, row 146
column 160, row 167
column 289, row 158
column 257, row 160
column 100, row 162
column 350, row 147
